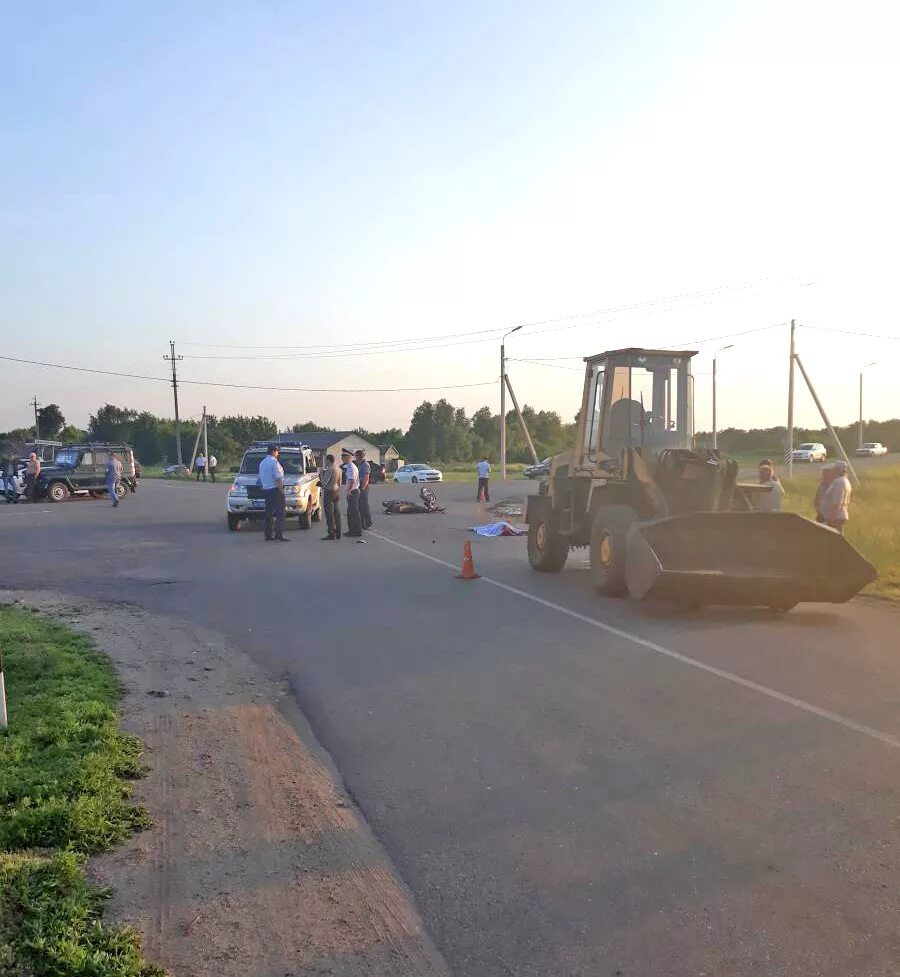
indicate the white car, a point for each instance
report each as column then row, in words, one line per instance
column 871, row 449
column 417, row 473
column 811, row 451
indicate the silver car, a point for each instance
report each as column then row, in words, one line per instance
column 302, row 497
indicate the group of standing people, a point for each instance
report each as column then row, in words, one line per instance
column 355, row 474
column 201, row 463
column 832, row 500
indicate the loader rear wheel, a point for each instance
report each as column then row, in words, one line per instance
column 547, row 548
column 608, row 537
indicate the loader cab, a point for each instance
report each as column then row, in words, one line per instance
column 638, row 398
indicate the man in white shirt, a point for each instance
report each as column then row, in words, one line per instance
column 836, row 504
column 213, row 461
column 200, row 466
column 484, row 473
column 271, row 478
column 351, row 480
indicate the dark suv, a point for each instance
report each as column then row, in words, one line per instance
column 82, row 468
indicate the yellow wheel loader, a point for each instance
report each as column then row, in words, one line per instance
column 665, row 522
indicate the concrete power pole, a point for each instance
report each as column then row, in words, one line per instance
column 789, row 434
column 503, row 402
column 173, row 358
column 205, row 446
column 37, row 424
column 861, row 424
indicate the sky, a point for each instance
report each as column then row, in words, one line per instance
column 324, row 176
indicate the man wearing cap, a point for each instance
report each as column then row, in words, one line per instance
column 351, row 480
column 271, row 478
column 331, row 494
column 365, row 473
column 836, row 501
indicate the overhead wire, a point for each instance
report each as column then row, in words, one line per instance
column 848, row 332
column 246, row 386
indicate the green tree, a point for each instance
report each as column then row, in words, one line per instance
column 420, row 438
column 146, row 438
column 111, row 423
column 51, row 421
column 302, row 428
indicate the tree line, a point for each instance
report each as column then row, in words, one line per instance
column 437, row 433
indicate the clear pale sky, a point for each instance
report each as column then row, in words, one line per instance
column 306, row 173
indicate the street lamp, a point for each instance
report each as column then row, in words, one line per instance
column 715, row 443
column 866, row 367
column 503, row 401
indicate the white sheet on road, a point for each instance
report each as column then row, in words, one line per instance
column 502, row 528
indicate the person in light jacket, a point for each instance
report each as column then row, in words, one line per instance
column 836, row 504
column 770, row 501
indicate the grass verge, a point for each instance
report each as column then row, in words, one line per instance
column 64, row 793
column 873, row 527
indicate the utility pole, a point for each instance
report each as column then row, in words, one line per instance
column 522, row 423
column 861, row 428
column 173, row 358
column 37, row 425
column 789, row 434
column 715, row 431
column 503, row 402
column 205, row 447
column 831, row 430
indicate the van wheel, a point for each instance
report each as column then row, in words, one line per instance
column 233, row 522
column 304, row 520
column 57, row 492
column 317, row 512
column 608, row 536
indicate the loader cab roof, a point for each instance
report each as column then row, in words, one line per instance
column 638, row 351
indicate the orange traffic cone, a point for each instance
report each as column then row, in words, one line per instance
column 468, row 565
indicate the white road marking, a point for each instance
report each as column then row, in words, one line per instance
column 833, row 717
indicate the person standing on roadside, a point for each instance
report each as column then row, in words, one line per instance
column 200, row 466
column 484, row 473
column 351, row 479
column 32, row 471
column 825, row 479
column 213, row 461
column 365, row 477
column 271, row 478
column 332, row 476
column 836, row 504
column 770, row 501
column 113, row 477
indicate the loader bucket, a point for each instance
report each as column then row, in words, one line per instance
column 770, row 558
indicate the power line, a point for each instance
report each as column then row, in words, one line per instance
column 729, row 335
column 849, row 332
column 331, row 354
column 552, row 366
column 248, row 386
column 413, row 343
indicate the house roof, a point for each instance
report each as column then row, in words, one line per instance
column 319, row 440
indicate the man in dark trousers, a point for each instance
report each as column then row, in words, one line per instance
column 351, row 480
column 331, row 496
column 365, row 476
column 271, row 478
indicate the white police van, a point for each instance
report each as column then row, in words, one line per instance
column 302, row 494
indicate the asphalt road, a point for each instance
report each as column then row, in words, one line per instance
column 570, row 785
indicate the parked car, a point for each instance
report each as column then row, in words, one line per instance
column 376, row 474
column 811, row 451
column 303, row 499
column 539, row 470
column 417, row 473
column 80, row 468
column 871, row 449
column 176, row 471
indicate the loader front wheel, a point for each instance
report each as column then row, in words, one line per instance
column 547, row 548
column 608, row 538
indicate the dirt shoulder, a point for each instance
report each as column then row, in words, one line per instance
column 257, row 862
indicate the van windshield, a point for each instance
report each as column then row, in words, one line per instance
column 67, row 457
column 291, row 463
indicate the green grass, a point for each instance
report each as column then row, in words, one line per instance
column 64, row 794
column 873, row 527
